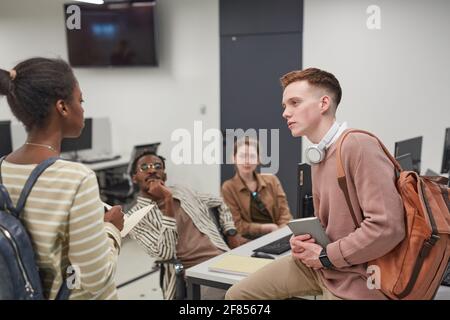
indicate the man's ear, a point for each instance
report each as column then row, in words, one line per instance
column 61, row 108
column 164, row 176
column 133, row 179
column 325, row 104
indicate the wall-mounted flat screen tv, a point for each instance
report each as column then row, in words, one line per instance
column 111, row 34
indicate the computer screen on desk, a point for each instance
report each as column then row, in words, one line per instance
column 446, row 156
column 5, row 140
column 405, row 162
column 149, row 147
column 412, row 146
column 83, row 142
column 305, row 207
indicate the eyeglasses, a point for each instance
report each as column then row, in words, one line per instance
column 258, row 202
column 155, row 166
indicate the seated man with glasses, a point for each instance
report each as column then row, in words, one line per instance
column 180, row 226
column 257, row 201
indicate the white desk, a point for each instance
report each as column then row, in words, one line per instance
column 200, row 275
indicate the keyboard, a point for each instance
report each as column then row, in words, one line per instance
column 276, row 247
column 98, row 160
column 446, row 279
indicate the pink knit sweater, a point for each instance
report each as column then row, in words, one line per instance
column 371, row 183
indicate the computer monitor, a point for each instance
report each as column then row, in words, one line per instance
column 406, row 162
column 5, row 138
column 446, row 156
column 150, row 147
column 412, row 146
column 431, row 173
column 83, row 142
column 305, row 206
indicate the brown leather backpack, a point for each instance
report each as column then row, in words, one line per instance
column 415, row 267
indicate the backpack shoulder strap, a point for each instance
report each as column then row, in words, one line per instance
column 342, row 179
column 63, row 292
column 30, row 183
column 5, row 199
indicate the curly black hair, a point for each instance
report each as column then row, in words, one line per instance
column 143, row 154
column 38, row 84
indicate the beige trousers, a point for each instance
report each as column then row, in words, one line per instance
column 284, row 278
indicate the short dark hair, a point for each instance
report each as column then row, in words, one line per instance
column 38, row 84
column 317, row 78
column 143, row 154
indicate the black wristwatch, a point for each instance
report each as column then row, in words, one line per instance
column 324, row 260
column 231, row 232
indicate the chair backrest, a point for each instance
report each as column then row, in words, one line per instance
column 215, row 217
column 180, row 283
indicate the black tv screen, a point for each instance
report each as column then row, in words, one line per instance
column 113, row 34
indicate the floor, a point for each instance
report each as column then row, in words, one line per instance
column 133, row 262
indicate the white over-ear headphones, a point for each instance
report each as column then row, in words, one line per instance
column 316, row 152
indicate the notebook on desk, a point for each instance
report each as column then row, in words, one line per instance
column 238, row 265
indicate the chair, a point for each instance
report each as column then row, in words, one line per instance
column 119, row 188
column 180, row 290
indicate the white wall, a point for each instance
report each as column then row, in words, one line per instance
column 395, row 80
column 144, row 104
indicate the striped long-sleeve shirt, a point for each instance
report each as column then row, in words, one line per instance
column 157, row 233
column 64, row 217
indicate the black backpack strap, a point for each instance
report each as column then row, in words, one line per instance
column 5, row 200
column 64, row 291
column 30, row 183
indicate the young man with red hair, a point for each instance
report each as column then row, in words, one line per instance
column 338, row 271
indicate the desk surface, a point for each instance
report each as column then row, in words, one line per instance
column 201, row 271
